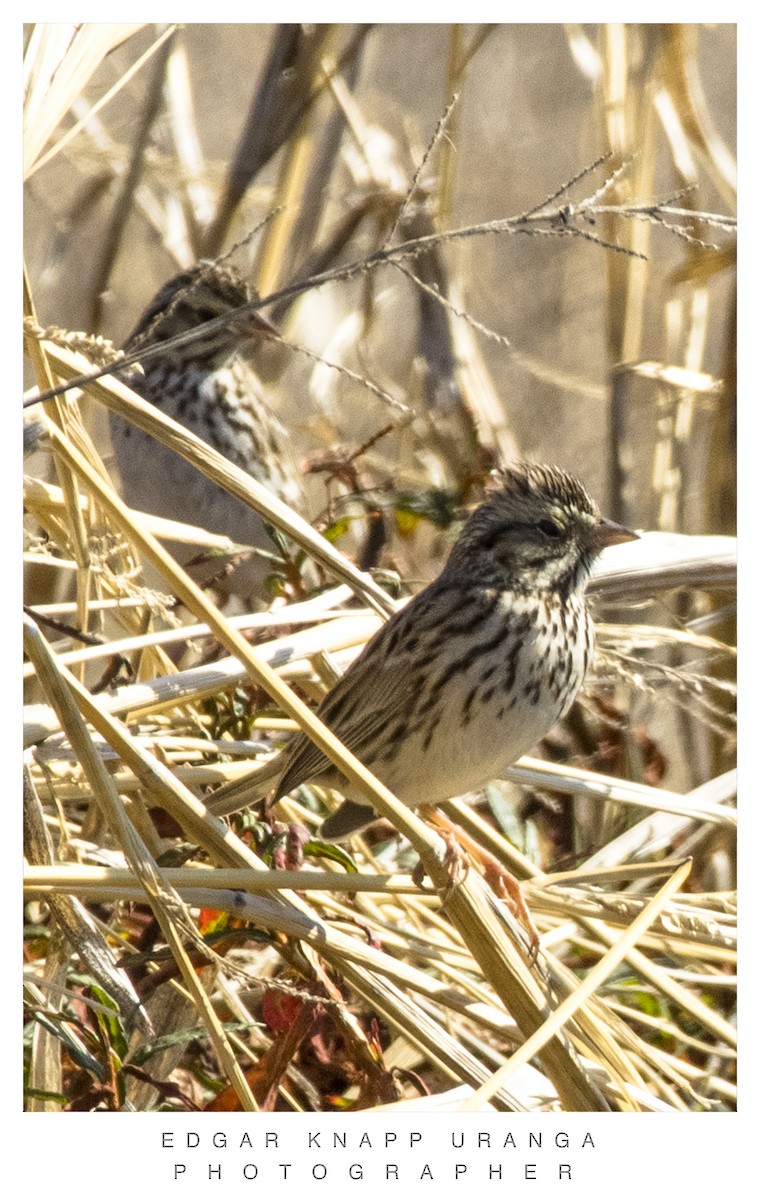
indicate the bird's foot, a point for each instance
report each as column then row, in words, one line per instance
column 506, row 886
column 456, row 860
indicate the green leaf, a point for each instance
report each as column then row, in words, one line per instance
column 110, row 1021
column 182, row 1037
column 432, row 504
column 336, row 530
column 319, row 849
column 74, row 1047
column 37, row 1094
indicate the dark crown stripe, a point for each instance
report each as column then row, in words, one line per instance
column 186, row 300
column 553, row 482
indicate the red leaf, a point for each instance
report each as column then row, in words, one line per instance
column 280, row 1010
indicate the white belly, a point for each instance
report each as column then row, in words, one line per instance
column 484, row 724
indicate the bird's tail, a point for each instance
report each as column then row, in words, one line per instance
column 241, row 793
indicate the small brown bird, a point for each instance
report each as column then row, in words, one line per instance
column 207, row 385
column 475, row 670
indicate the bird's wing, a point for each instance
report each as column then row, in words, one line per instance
column 301, row 759
column 380, row 691
column 357, row 724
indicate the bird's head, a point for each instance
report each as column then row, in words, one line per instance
column 538, row 530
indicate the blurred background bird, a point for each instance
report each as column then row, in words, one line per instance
column 209, row 385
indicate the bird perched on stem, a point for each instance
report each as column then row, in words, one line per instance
column 207, row 385
column 471, row 673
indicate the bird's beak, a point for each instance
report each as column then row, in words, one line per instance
column 607, row 533
column 253, row 325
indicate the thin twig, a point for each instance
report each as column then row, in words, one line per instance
column 435, row 140
column 565, row 187
column 404, row 413
column 540, row 221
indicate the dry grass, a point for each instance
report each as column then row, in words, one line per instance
column 175, row 960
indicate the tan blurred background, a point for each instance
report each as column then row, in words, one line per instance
column 133, row 195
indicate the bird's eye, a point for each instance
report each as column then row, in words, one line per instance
column 549, row 528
